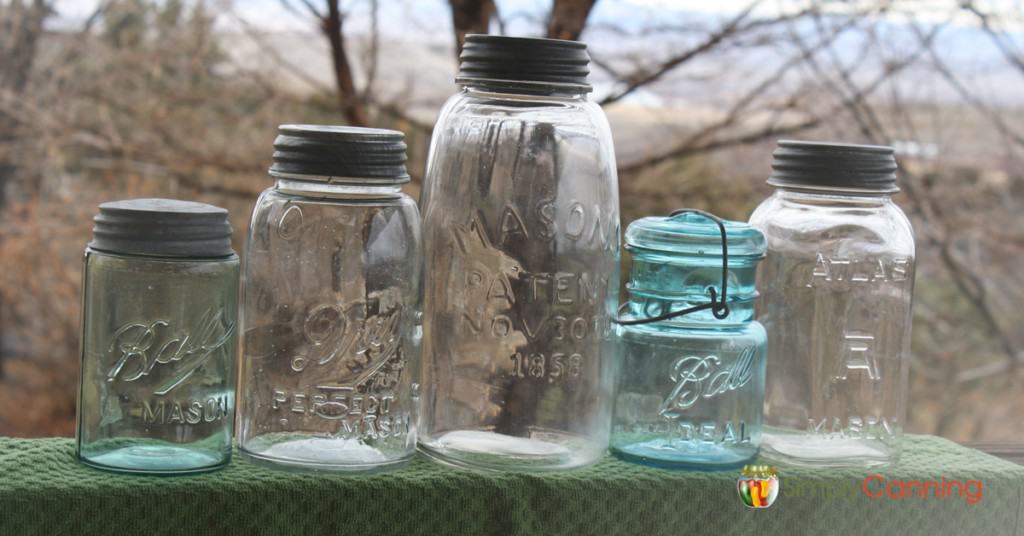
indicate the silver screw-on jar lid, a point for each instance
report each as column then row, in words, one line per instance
column 162, row 228
column 340, row 155
column 841, row 167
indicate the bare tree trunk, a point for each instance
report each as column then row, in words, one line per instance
column 568, row 17
column 19, row 37
column 18, row 40
column 352, row 105
column 470, row 16
column 20, row 29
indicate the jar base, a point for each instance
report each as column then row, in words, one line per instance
column 475, row 449
column 320, row 454
column 654, row 454
column 806, row 450
column 155, row 460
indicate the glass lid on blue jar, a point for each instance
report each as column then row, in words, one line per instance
column 691, row 266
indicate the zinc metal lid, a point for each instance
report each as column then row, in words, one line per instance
column 340, row 154
column 524, row 59
column 834, row 166
column 163, row 228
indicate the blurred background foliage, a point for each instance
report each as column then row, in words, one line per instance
column 181, row 98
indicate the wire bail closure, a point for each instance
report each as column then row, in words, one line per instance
column 717, row 304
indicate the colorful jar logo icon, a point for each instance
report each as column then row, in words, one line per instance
column 758, row 486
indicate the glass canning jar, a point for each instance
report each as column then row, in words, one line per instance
column 837, row 286
column 691, row 388
column 521, row 236
column 331, row 305
column 159, row 305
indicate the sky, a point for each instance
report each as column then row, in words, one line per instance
column 964, row 44
column 425, row 14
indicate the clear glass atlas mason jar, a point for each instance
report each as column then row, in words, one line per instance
column 521, row 238
column 331, row 305
column 837, row 286
column 159, row 305
column 691, row 388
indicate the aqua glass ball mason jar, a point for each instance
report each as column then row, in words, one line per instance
column 331, row 303
column 159, row 306
column 521, row 239
column 691, row 386
column 837, row 289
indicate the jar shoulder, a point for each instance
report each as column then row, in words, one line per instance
column 747, row 333
column 285, row 227
column 101, row 260
column 878, row 224
column 273, row 195
column 561, row 113
column 543, row 166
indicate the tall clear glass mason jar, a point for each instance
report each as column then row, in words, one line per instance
column 691, row 389
column 331, row 304
column 521, row 234
column 159, row 306
column 837, row 286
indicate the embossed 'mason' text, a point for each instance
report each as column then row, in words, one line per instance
column 546, row 221
column 853, row 426
column 187, row 412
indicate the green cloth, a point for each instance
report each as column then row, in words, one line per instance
column 43, row 490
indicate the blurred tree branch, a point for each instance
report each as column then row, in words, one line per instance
column 257, row 37
column 372, row 54
column 936, row 228
column 644, row 76
column 968, row 96
column 971, row 285
column 352, row 105
column 470, row 17
column 707, row 139
column 21, row 27
column 372, row 101
column 568, row 17
column 1005, row 46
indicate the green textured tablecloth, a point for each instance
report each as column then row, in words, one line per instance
column 44, row 491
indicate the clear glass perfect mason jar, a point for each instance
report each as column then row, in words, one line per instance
column 837, row 287
column 159, row 305
column 691, row 388
column 521, row 238
column 331, row 304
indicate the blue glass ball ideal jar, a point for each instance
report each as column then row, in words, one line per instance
column 691, row 388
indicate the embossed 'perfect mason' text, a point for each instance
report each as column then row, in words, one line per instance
column 359, row 415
